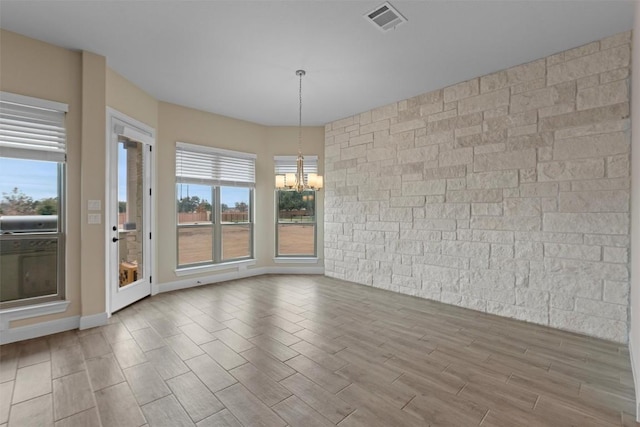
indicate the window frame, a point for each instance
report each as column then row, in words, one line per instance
column 60, row 235
column 279, row 223
column 216, row 183
column 288, row 164
column 216, row 226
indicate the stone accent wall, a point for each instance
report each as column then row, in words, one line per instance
column 507, row 193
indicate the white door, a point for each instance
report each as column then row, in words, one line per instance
column 129, row 204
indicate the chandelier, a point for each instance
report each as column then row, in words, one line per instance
column 296, row 181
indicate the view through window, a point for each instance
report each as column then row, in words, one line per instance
column 32, row 165
column 214, row 200
column 296, row 221
column 296, row 227
column 210, row 231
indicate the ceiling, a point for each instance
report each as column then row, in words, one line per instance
column 238, row 58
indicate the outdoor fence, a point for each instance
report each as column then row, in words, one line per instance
column 295, row 215
column 229, row 216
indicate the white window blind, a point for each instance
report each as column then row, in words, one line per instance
column 32, row 128
column 287, row 164
column 197, row 164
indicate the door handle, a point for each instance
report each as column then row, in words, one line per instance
column 115, row 239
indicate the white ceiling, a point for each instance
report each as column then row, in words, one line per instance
column 238, row 58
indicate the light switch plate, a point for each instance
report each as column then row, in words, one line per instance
column 95, row 205
column 95, row 218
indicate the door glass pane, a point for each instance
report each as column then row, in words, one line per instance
column 130, row 211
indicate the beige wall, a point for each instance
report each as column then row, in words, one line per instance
column 93, row 175
column 129, row 99
column 183, row 124
column 33, row 68
column 84, row 82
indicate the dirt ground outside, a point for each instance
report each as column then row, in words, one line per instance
column 296, row 239
column 195, row 243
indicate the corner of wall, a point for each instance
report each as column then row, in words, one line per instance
column 507, row 193
column 93, row 177
column 634, row 306
column 93, row 320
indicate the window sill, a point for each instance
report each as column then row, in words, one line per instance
column 8, row 315
column 295, row 260
column 186, row 271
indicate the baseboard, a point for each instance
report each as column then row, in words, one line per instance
column 93, row 320
column 25, row 312
column 635, row 373
column 85, row 322
column 41, row 329
column 232, row 275
column 295, row 270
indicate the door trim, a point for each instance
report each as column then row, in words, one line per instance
column 120, row 124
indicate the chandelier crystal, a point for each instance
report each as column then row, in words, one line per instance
column 296, row 182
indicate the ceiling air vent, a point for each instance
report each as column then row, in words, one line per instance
column 385, row 17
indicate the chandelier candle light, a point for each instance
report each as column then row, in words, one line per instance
column 296, row 181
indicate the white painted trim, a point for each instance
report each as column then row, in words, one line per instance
column 137, row 130
column 106, row 212
column 10, row 314
column 295, row 260
column 93, row 320
column 132, row 122
column 295, row 270
column 203, row 280
column 155, row 289
column 41, row 329
column 136, row 135
column 187, row 271
column 232, row 275
column 34, row 102
column 636, row 380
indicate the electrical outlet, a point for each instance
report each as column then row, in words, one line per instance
column 94, row 205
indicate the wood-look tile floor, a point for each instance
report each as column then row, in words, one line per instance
column 312, row 351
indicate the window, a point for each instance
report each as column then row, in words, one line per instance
column 214, row 196
column 295, row 212
column 32, row 174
